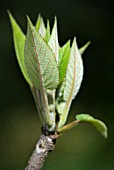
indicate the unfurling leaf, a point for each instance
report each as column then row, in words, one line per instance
column 99, row 125
column 19, row 41
column 53, row 41
column 74, row 76
column 39, row 61
column 64, row 55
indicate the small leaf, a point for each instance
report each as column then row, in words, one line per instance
column 99, row 125
column 19, row 41
column 38, row 23
column 40, row 26
column 82, row 49
column 47, row 35
column 64, row 55
column 53, row 42
column 74, row 76
column 39, row 61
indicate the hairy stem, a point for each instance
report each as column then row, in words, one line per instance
column 44, row 145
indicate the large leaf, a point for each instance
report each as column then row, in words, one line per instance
column 53, row 42
column 64, row 55
column 74, row 78
column 39, row 61
column 99, row 125
column 19, row 41
column 42, row 70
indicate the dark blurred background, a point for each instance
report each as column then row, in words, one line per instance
column 81, row 148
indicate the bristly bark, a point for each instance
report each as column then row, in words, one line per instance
column 44, row 145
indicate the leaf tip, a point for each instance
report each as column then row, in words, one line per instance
column 55, row 23
column 10, row 16
column 83, row 49
column 39, row 16
column 74, row 43
column 29, row 23
column 28, row 19
column 8, row 11
column 55, row 19
column 98, row 124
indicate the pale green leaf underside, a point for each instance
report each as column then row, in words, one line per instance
column 43, row 72
column 39, row 61
column 99, row 125
column 64, row 55
column 19, row 41
column 74, row 76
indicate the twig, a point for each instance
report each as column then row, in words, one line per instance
column 43, row 147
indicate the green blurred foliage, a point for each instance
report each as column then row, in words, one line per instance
column 81, row 148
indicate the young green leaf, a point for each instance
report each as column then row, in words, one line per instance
column 53, row 42
column 40, row 26
column 47, row 35
column 64, row 55
column 42, row 70
column 82, row 49
column 74, row 76
column 39, row 61
column 99, row 125
column 19, row 41
column 38, row 23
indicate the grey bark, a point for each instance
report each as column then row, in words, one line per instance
column 43, row 147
